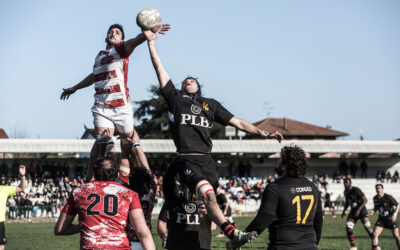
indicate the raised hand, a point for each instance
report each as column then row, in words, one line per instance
column 66, row 93
column 22, row 170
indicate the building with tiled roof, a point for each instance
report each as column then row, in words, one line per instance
column 3, row 134
column 292, row 129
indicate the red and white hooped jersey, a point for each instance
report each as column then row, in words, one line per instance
column 110, row 73
column 103, row 208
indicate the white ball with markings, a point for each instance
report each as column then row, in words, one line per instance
column 148, row 18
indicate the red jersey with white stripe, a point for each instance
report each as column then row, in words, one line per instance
column 147, row 203
column 103, row 209
column 110, row 73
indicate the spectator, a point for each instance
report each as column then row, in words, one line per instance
column 364, row 167
column 353, row 169
column 248, row 168
column 232, row 169
column 12, row 207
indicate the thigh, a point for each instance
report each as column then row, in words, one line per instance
column 123, row 119
column 189, row 171
column 378, row 229
column 3, row 240
column 101, row 118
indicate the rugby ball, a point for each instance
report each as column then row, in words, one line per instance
column 148, row 18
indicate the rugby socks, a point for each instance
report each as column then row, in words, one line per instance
column 350, row 236
column 229, row 229
column 234, row 226
column 374, row 247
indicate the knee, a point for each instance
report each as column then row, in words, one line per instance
column 205, row 192
column 349, row 226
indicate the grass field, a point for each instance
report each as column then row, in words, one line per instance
column 40, row 236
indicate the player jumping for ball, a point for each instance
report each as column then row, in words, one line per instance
column 112, row 108
column 388, row 209
column 356, row 199
column 192, row 115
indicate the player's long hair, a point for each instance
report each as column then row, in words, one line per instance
column 198, row 92
column 295, row 160
column 141, row 180
column 106, row 174
column 174, row 191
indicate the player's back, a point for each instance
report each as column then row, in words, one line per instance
column 103, row 208
column 293, row 228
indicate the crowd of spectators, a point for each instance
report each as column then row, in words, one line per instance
column 49, row 185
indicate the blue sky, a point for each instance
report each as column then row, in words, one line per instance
column 321, row 62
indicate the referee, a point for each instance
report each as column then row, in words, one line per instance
column 290, row 207
column 6, row 191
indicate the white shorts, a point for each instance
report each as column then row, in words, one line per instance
column 120, row 118
column 136, row 245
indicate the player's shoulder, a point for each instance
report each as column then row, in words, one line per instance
column 389, row 197
column 376, row 198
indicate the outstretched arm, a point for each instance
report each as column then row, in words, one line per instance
column 83, row 84
column 22, row 185
column 251, row 129
column 162, row 75
column 131, row 44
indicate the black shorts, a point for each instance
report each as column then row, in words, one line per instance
column 362, row 215
column 328, row 204
column 2, row 234
column 386, row 223
column 194, row 168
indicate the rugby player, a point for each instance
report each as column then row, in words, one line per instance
column 192, row 115
column 388, row 209
column 6, row 191
column 178, row 222
column 103, row 207
column 290, row 207
column 328, row 205
column 356, row 199
column 112, row 108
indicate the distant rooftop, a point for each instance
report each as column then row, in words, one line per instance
column 292, row 129
column 3, row 134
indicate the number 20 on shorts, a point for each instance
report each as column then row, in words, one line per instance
column 296, row 201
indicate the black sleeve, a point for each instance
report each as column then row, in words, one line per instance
column 260, row 222
column 169, row 92
column 359, row 193
column 222, row 115
column 163, row 214
column 318, row 220
column 392, row 200
column 270, row 200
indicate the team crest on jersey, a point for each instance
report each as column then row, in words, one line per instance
column 190, row 208
column 205, row 106
column 292, row 190
column 188, row 172
column 195, row 109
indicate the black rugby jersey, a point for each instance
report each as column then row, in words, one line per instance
column 354, row 197
column 192, row 116
column 294, row 202
column 385, row 204
column 182, row 223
